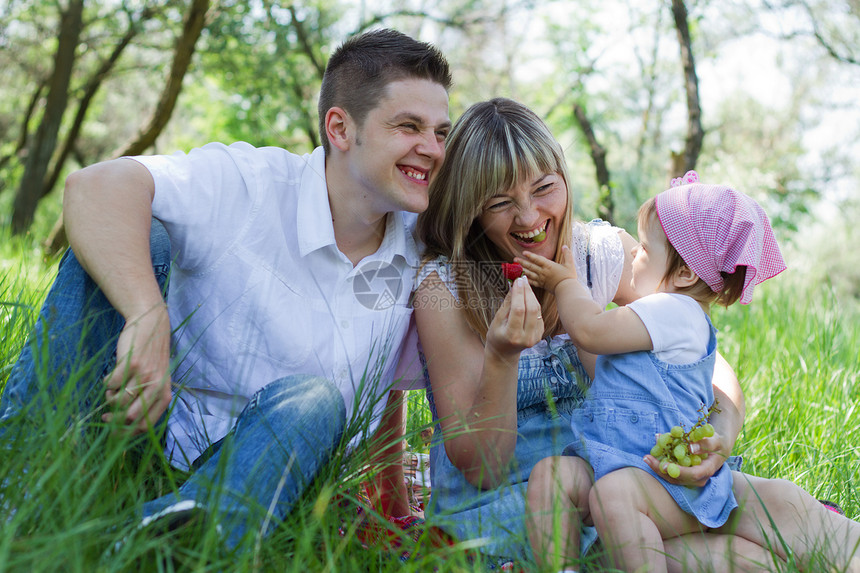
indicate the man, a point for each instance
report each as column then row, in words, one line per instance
column 275, row 343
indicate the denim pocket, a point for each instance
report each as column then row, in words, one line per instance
column 627, row 429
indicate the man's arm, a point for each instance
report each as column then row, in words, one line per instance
column 107, row 210
column 390, row 497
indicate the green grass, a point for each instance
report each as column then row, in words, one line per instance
column 795, row 350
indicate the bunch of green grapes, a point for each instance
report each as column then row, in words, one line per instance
column 673, row 448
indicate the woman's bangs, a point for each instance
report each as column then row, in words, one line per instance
column 498, row 170
column 534, row 160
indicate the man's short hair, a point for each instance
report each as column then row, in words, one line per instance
column 360, row 70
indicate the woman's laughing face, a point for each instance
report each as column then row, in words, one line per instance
column 526, row 217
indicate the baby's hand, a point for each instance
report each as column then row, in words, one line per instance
column 545, row 273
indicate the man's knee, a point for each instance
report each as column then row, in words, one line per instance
column 303, row 395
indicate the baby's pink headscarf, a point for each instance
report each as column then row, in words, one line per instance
column 715, row 228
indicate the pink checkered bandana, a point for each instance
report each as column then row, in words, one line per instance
column 715, row 228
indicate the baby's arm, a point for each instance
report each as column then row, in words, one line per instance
column 610, row 332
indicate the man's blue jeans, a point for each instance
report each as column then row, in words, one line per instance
column 250, row 478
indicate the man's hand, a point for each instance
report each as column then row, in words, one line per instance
column 139, row 389
column 699, row 475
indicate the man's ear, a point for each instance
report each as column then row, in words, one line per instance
column 339, row 128
column 684, row 277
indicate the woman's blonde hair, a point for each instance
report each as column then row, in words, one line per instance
column 494, row 146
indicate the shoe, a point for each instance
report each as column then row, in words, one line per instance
column 834, row 507
column 174, row 520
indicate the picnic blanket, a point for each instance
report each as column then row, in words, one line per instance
column 391, row 532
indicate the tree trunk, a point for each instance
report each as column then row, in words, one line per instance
column 605, row 204
column 195, row 21
column 695, row 133
column 42, row 148
column 90, row 91
column 21, row 144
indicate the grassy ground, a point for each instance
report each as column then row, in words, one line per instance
column 797, row 354
column 77, row 490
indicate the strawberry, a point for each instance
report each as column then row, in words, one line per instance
column 512, row 271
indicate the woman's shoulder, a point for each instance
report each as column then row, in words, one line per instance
column 597, row 238
column 596, row 232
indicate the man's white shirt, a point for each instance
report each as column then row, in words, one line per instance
column 259, row 290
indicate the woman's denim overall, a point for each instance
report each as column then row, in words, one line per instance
column 549, row 388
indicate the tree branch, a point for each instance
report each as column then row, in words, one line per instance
column 307, row 48
column 830, row 49
column 21, row 145
column 90, row 90
column 695, row 133
column 605, row 206
column 193, row 25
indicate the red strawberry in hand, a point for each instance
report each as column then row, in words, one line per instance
column 512, row 271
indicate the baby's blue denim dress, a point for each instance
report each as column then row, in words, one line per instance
column 634, row 396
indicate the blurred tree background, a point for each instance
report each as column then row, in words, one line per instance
column 760, row 93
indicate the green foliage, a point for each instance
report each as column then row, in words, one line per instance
column 763, row 144
column 268, row 60
column 824, row 251
column 258, row 65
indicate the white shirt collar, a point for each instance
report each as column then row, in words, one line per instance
column 314, row 228
column 399, row 239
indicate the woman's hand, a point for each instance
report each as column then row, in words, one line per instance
column 518, row 323
column 699, row 475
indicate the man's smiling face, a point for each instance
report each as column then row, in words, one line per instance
column 401, row 145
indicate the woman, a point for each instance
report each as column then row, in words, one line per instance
column 503, row 380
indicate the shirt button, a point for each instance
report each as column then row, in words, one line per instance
column 634, row 418
column 344, row 323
